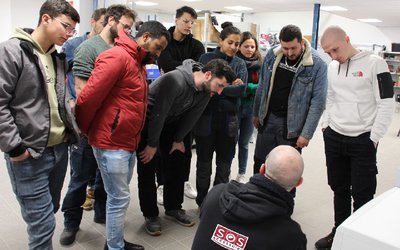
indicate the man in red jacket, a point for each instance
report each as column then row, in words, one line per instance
column 111, row 111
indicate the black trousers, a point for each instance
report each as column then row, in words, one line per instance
column 352, row 170
column 272, row 134
column 173, row 167
column 220, row 138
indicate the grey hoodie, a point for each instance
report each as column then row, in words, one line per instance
column 173, row 96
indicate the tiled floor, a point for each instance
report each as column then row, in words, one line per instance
column 313, row 208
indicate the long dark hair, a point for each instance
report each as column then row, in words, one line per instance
column 246, row 35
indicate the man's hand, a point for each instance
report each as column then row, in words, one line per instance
column 302, row 142
column 256, row 122
column 21, row 157
column 147, row 154
column 177, row 146
column 79, row 85
column 238, row 81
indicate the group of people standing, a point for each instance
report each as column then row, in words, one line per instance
column 216, row 98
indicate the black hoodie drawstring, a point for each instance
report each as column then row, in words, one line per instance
column 347, row 70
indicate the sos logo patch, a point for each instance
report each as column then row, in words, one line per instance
column 229, row 239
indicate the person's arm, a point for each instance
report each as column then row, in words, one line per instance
column 317, row 103
column 329, row 100
column 167, row 62
column 190, row 118
column 105, row 75
column 238, row 90
column 260, row 89
column 198, row 50
column 68, row 49
column 164, row 98
column 84, row 61
column 383, row 92
column 10, row 138
column 80, row 83
column 251, row 88
column 168, row 90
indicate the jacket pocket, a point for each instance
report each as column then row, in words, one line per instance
column 115, row 121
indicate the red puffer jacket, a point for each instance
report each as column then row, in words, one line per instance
column 112, row 107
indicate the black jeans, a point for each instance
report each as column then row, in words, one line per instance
column 83, row 169
column 173, row 167
column 272, row 134
column 352, row 170
column 220, row 138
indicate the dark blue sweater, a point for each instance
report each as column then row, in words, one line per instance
column 229, row 99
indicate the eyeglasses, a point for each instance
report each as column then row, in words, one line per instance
column 126, row 27
column 68, row 28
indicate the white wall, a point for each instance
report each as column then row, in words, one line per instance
column 25, row 13
column 392, row 33
column 85, row 10
column 272, row 22
column 361, row 34
column 5, row 19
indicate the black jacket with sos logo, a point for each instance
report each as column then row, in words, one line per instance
column 255, row 215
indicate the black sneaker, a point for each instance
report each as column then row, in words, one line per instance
column 179, row 215
column 326, row 242
column 128, row 246
column 153, row 225
column 68, row 235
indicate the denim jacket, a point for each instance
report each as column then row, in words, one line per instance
column 69, row 49
column 307, row 95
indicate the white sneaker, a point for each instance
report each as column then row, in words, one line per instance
column 189, row 191
column 240, row 178
column 160, row 195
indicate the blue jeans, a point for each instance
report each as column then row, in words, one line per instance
column 83, row 168
column 37, row 184
column 245, row 116
column 116, row 167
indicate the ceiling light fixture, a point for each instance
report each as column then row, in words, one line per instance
column 238, row 8
column 369, row 20
column 145, row 3
column 192, row 0
column 333, row 8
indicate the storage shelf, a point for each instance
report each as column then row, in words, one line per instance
column 392, row 60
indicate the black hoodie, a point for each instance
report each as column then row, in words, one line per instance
column 178, row 51
column 174, row 96
column 255, row 215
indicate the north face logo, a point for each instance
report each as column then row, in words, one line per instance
column 357, row 74
column 229, row 239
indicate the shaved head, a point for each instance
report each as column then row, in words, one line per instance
column 336, row 43
column 333, row 33
column 284, row 166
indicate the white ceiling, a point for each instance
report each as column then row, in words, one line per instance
column 386, row 10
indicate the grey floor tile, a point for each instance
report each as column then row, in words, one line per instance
column 313, row 209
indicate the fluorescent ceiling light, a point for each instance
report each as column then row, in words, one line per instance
column 145, row 3
column 369, row 20
column 192, row 0
column 333, row 8
column 238, row 8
